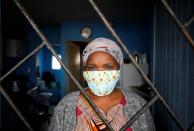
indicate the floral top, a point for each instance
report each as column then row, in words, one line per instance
column 88, row 120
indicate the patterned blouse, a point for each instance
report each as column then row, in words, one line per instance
column 87, row 119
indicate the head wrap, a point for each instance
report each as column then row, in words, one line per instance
column 103, row 44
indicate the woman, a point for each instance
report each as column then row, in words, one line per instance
column 101, row 59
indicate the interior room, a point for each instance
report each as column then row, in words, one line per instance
column 153, row 38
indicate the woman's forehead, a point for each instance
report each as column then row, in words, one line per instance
column 101, row 57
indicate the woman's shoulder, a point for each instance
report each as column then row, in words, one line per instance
column 68, row 100
column 133, row 98
column 64, row 115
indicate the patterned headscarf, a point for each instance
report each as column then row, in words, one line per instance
column 103, row 44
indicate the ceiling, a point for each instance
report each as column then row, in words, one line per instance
column 52, row 12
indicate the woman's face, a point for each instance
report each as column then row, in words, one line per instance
column 99, row 61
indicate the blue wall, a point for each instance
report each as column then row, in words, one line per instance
column 42, row 58
column 173, row 66
column 135, row 35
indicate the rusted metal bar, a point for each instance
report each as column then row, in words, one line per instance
column 178, row 23
column 22, row 61
column 186, row 24
column 113, row 32
column 30, row 20
column 20, row 115
column 139, row 113
column 48, row 45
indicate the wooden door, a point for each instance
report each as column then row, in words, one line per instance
column 74, row 63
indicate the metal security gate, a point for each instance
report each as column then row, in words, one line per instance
column 45, row 42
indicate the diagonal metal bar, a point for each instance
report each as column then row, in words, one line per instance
column 20, row 115
column 48, row 44
column 141, row 92
column 178, row 23
column 80, row 88
column 22, row 61
column 191, row 20
column 5, row 94
column 113, row 32
column 139, row 113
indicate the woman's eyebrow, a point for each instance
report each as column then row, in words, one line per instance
column 108, row 64
column 90, row 65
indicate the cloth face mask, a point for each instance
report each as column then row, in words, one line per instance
column 102, row 83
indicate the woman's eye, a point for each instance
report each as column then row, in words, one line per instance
column 109, row 67
column 91, row 68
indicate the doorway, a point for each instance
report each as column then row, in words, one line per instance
column 74, row 63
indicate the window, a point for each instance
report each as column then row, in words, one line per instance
column 55, row 64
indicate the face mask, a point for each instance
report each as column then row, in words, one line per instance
column 102, row 83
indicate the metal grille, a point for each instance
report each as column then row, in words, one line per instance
column 45, row 42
